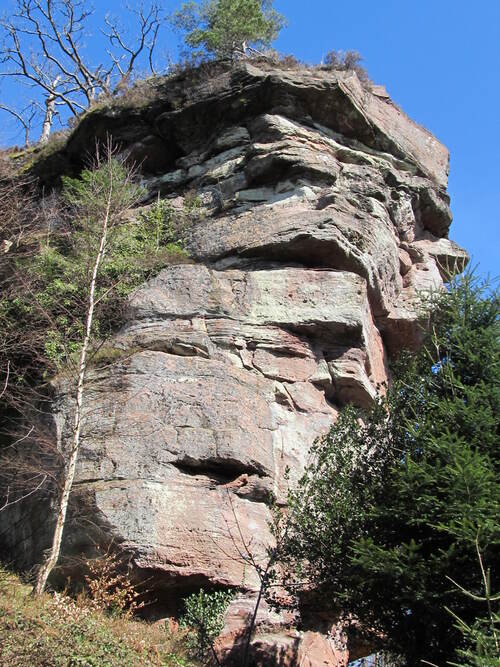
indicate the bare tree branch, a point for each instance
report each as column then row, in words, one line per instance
column 148, row 24
column 6, row 382
column 25, row 118
column 9, row 503
column 43, row 45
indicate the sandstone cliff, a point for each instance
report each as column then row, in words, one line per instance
column 325, row 214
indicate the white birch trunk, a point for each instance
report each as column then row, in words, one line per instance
column 50, row 105
column 53, row 556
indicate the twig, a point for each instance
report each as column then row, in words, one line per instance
column 8, row 503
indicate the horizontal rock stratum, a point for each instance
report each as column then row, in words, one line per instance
column 326, row 216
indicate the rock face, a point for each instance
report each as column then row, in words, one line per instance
column 326, row 214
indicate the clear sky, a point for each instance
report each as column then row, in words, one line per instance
column 439, row 60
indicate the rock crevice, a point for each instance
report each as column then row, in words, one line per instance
column 325, row 217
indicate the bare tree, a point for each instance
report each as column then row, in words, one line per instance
column 25, row 117
column 29, row 460
column 44, row 49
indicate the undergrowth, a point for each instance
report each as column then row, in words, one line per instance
column 47, row 268
column 56, row 631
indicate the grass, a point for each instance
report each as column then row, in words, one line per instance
column 24, row 159
column 56, row 631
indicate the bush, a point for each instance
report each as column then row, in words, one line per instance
column 109, row 586
column 345, row 61
column 204, row 619
column 481, row 642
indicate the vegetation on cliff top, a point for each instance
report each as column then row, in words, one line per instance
column 228, row 28
column 44, row 48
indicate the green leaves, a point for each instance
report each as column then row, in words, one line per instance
column 481, row 648
column 88, row 195
column 56, row 630
column 204, row 617
column 224, row 28
column 48, row 300
column 391, row 507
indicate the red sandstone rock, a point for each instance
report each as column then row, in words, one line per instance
column 325, row 219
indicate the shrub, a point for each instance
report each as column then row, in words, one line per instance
column 204, row 619
column 110, row 587
column 344, row 61
column 55, row 630
column 289, row 61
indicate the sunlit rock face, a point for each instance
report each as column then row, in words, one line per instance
column 325, row 216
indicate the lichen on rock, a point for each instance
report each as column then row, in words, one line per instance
column 325, row 216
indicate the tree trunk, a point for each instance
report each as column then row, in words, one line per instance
column 69, row 475
column 50, row 105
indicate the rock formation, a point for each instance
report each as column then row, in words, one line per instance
column 326, row 214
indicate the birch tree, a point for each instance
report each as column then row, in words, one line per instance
column 48, row 249
column 100, row 199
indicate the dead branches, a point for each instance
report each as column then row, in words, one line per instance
column 44, row 50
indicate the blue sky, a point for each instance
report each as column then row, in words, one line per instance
column 440, row 61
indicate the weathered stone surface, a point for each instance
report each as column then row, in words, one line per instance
column 449, row 256
column 276, row 641
column 326, row 218
column 336, row 237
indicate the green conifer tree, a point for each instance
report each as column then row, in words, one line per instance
column 228, row 28
column 396, row 520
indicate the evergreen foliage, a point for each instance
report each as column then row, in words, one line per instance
column 396, row 517
column 204, row 618
column 46, row 280
column 45, row 292
column 226, row 28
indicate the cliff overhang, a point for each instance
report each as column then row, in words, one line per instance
column 325, row 218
